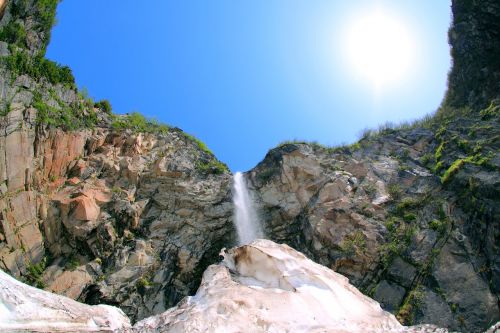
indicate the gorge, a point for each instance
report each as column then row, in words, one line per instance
column 119, row 211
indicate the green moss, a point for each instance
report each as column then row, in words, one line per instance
column 427, row 159
column 143, row 282
column 406, row 313
column 453, row 169
column 493, row 111
column 477, row 159
column 439, row 151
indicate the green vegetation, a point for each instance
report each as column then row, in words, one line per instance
column 439, row 226
column 354, row 243
column 143, row 283
column 477, row 159
column 38, row 67
column 213, row 166
column 73, row 263
column 138, row 123
column 68, row 117
column 412, row 303
column 104, row 105
column 200, row 144
column 400, row 236
column 14, row 33
column 492, row 111
column 409, row 217
column 406, row 204
column 46, row 10
column 387, row 128
column 34, row 273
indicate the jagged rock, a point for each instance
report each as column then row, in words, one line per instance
column 266, row 287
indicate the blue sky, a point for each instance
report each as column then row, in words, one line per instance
column 243, row 76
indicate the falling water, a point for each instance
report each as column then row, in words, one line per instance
column 245, row 217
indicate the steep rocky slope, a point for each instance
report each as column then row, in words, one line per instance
column 124, row 211
column 259, row 287
column 424, row 246
column 99, row 208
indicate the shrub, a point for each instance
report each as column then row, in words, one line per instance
column 38, row 67
column 405, row 204
column 104, row 105
column 212, row 167
column 34, row 273
column 14, row 33
column 138, row 123
column 409, row 217
column 439, row 226
column 200, row 144
column 354, row 243
column 67, row 117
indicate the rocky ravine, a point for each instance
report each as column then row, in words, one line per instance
column 132, row 215
column 260, row 287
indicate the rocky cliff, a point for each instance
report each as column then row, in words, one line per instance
column 475, row 76
column 259, row 287
column 120, row 210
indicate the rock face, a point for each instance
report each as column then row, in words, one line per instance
column 475, row 77
column 378, row 213
column 24, row 308
column 266, row 287
column 260, row 287
column 131, row 215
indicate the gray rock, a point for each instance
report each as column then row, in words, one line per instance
column 390, row 295
column 402, row 272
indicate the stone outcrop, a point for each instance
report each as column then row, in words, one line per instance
column 379, row 213
column 104, row 215
column 266, row 287
column 260, row 287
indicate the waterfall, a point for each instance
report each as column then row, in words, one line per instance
column 245, row 217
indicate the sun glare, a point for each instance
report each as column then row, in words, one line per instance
column 379, row 48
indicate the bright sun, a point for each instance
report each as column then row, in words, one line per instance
column 379, row 48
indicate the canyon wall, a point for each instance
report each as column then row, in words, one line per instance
column 103, row 210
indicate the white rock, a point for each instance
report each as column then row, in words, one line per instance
column 24, row 308
column 266, row 287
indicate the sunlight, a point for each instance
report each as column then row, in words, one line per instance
column 379, row 48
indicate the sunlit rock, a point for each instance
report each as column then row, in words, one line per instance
column 266, row 287
column 24, row 308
